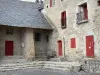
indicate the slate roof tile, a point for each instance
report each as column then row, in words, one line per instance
column 22, row 14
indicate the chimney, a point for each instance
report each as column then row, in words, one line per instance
column 41, row 1
column 37, row 1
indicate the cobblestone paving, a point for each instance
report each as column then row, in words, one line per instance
column 41, row 72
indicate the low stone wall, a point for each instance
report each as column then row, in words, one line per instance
column 92, row 66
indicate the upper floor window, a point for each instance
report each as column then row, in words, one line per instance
column 63, row 19
column 9, row 31
column 82, row 13
column 99, row 3
column 52, row 3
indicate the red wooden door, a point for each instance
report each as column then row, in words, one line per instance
column 8, row 48
column 60, row 48
column 90, row 46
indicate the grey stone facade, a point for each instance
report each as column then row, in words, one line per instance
column 25, row 44
column 25, row 19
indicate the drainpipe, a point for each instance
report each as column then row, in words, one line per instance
column 64, row 46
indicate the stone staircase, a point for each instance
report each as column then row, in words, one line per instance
column 65, row 66
column 18, row 62
column 41, row 55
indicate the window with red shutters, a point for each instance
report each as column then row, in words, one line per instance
column 73, row 43
column 52, row 3
column 63, row 19
column 83, row 13
column 99, row 3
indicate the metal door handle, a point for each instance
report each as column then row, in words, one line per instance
column 89, row 47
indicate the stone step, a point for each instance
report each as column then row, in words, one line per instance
column 12, row 57
column 58, row 59
column 41, row 58
column 12, row 61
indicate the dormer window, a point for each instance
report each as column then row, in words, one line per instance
column 82, row 13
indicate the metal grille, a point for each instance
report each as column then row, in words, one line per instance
column 80, row 17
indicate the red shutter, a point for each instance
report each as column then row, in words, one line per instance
column 73, row 43
column 98, row 3
column 63, row 19
column 50, row 3
column 85, row 12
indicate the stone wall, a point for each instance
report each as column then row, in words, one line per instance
column 41, row 47
column 15, row 38
column 91, row 66
column 24, row 42
column 73, row 30
column 28, row 43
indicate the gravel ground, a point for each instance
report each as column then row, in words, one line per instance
column 41, row 72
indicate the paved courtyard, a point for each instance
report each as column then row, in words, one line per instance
column 41, row 72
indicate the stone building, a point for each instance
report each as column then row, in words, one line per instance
column 68, row 28
column 76, row 25
column 23, row 30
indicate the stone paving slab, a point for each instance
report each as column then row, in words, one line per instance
column 42, row 72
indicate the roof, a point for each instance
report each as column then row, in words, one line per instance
column 22, row 14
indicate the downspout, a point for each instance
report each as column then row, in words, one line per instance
column 64, row 46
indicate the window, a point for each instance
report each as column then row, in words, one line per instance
column 99, row 3
column 9, row 31
column 46, row 3
column 47, row 38
column 63, row 19
column 82, row 13
column 52, row 3
column 73, row 43
column 37, row 37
